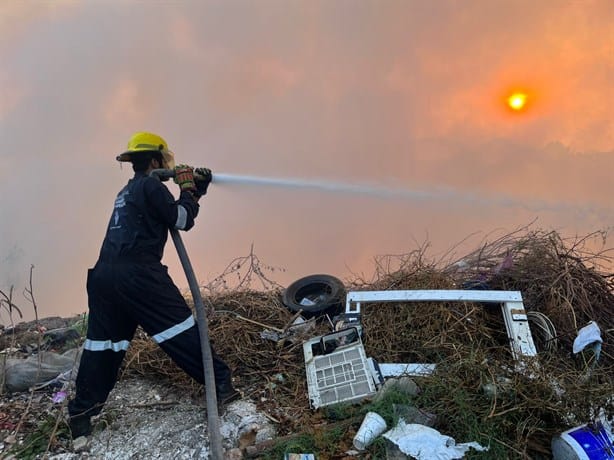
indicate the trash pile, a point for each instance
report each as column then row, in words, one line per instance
column 476, row 395
column 393, row 378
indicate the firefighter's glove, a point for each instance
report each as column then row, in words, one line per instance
column 184, row 176
column 202, row 180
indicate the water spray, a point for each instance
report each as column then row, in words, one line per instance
column 327, row 186
column 445, row 195
column 364, row 189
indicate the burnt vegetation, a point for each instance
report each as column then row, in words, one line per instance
column 565, row 284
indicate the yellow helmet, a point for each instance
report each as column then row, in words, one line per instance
column 148, row 142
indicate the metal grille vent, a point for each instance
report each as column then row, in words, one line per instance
column 341, row 376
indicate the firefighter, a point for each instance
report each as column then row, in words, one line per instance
column 129, row 286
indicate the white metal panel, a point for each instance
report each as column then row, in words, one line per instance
column 514, row 314
column 518, row 330
column 401, row 369
column 427, row 295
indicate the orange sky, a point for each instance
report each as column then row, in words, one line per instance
column 403, row 94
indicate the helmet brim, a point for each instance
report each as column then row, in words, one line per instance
column 126, row 156
column 167, row 156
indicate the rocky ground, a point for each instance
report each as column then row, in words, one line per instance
column 563, row 293
column 144, row 418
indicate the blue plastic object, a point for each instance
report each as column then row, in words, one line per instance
column 585, row 442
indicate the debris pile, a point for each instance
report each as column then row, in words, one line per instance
column 475, row 393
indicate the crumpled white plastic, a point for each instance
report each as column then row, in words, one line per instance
column 425, row 443
column 587, row 335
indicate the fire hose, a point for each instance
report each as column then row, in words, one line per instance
column 213, row 424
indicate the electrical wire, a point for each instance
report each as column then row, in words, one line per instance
column 544, row 329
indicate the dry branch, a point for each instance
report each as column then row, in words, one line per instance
column 562, row 279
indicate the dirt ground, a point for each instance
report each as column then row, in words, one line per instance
column 561, row 288
column 144, row 419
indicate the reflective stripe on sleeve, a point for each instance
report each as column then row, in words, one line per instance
column 174, row 331
column 102, row 345
column 182, row 218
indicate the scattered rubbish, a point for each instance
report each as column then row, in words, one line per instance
column 607, row 420
column 585, row 442
column 371, row 427
column 343, row 321
column 502, row 385
column 9, row 350
column 300, row 325
column 271, row 335
column 514, row 314
column 294, row 332
column 425, row 443
column 233, row 454
column 59, row 339
column 375, row 372
column 412, row 414
column 275, row 380
column 61, row 381
column 468, row 337
column 589, row 335
column 337, row 369
column 544, row 332
column 242, row 417
column 59, row 397
column 403, row 385
column 10, row 439
column 81, row 444
column 315, row 295
column 348, row 375
column 299, row 457
column 22, row 374
column 410, row 370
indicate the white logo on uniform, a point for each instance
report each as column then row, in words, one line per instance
column 120, row 201
column 115, row 221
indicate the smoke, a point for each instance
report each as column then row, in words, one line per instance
column 404, row 96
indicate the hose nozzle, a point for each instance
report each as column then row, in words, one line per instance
column 166, row 174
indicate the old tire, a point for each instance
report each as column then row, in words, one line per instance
column 316, row 295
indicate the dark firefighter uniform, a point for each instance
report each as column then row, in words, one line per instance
column 129, row 286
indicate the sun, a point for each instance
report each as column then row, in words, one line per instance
column 517, row 101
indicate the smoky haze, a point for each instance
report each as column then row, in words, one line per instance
column 400, row 104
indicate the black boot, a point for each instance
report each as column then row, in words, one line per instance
column 226, row 394
column 80, row 425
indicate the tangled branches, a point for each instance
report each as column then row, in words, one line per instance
column 561, row 280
